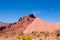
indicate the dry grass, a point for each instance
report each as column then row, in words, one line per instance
column 32, row 36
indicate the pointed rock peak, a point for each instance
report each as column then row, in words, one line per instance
column 26, row 17
column 20, row 19
column 32, row 16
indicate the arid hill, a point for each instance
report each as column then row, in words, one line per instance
column 28, row 24
column 39, row 25
column 17, row 27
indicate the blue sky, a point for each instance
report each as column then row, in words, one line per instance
column 12, row 10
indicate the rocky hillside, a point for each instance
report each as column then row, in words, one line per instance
column 39, row 25
column 17, row 27
column 28, row 24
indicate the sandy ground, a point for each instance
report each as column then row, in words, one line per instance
column 8, row 39
column 48, row 38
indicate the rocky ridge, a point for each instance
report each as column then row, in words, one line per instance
column 17, row 27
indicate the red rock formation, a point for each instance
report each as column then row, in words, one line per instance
column 17, row 27
column 39, row 26
column 29, row 24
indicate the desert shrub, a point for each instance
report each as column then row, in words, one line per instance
column 57, row 32
column 34, row 33
column 42, row 32
column 23, row 38
column 27, row 37
column 17, row 36
column 40, row 39
column 46, row 34
column 38, row 34
column 21, row 33
column 57, row 38
column 6, row 36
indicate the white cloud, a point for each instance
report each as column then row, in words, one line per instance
column 36, row 12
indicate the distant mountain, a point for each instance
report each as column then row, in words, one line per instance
column 3, row 24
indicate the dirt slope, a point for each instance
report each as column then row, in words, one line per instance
column 39, row 25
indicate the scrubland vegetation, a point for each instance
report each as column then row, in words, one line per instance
column 36, row 36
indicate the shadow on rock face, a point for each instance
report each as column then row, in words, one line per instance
column 32, row 16
column 2, row 28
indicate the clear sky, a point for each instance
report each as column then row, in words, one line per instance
column 47, row 10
